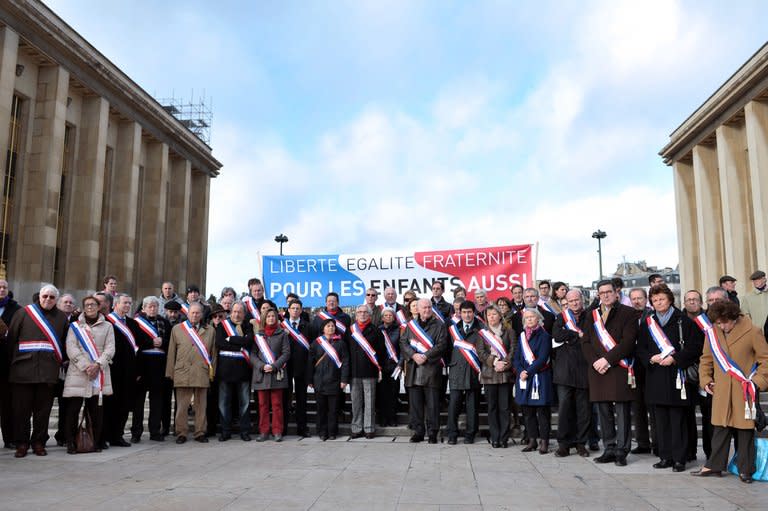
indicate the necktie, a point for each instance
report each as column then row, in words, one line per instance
column 295, row 325
column 466, row 328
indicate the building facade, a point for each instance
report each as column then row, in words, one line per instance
column 719, row 157
column 98, row 178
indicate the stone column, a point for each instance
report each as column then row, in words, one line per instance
column 121, row 256
column 149, row 273
column 736, row 197
column 41, row 182
column 87, row 194
column 687, row 229
column 708, row 215
column 756, row 113
column 9, row 51
column 198, row 230
column 177, row 227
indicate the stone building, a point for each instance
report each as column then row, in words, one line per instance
column 719, row 157
column 98, row 178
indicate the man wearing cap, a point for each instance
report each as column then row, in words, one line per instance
column 729, row 284
column 173, row 315
column 755, row 303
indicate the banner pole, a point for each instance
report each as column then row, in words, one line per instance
column 535, row 264
column 259, row 267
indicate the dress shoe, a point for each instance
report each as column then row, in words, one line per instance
column 103, row 445
column 432, row 439
column 641, row 450
column 621, row 461
column 505, row 444
column 543, row 446
column 582, row 451
column 323, row 437
column 157, row 438
column 605, row 458
column 202, row 439
column 21, row 450
column 39, row 450
column 678, row 467
column 262, row 438
column 705, row 472
column 370, row 436
column 745, row 478
column 663, row 464
column 119, row 443
column 278, row 438
column 224, row 437
column 332, row 437
column 304, row 433
column 451, row 440
column 495, row 445
column 594, row 446
column 530, row 447
column 245, row 437
column 353, row 436
column 562, row 452
column 181, row 439
column 392, row 424
column 71, row 449
column 469, row 440
column 415, row 439
column 135, row 439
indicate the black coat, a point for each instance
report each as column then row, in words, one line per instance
column 322, row 371
column 549, row 320
column 569, row 367
column 230, row 369
column 389, row 365
column 124, row 363
column 461, row 376
column 5, row 351
column 428, row 374
column 150, row 366
column 299, row 354
column 445, row 308
column 660, row 381
column 360, row 366
column 315, row 327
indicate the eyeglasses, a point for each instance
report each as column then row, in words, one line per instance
column 90, row 304
column 48, row 297
column 371, row 294
column 363, row 312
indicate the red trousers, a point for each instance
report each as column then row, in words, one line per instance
column 274, row 397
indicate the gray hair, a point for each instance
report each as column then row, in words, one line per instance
column 50, row 288
column 642, row 290
column 717, row 289
column 367, row 307
column 197, row 304
column 238, row 302
column 531, row 289
column 534, row 311
column 149, row 300
column 120, row 296
column 480, row 292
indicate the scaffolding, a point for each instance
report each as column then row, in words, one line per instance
column 195, row 114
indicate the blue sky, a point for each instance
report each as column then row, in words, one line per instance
column 368, row 126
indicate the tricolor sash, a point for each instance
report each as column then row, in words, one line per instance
column 86, row 341
column 118, row 322
column 185, row 308
column 231, row 331
column 729, row 367
column 422, row 343
column 390, row 346
column 329, row 350
column 467, row 349
column 569, row 320
column 359, row 338
column 295, row 334
column 609, row 343
column 339, row 325
column 250, row 303
column 496, row 344
column 456, row 319
column 147, row 327
column 199, row 344
column 546, row 305
column 400, row 314
column 530, row 358
column 265, row 350
column 52, row 344
column 659, row 337
column 437, row 314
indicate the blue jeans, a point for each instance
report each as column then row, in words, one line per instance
column 243, row 391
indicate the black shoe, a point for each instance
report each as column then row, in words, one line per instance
column 745, row 478
column 370, row 436
column 103, row 446
column 304, row 433
column 451, row 440
column 157, row 438
column 562, row 451
column 641, row 450
column 469, row 440
column 332, row 437
column 181, row 439
column 621, row 461
column 582, row 451
column 605, row 458
column 278, row 438
column 120, row 442
column 323, row 437
column 71, row 449
column 678, row 467
column 594, row 446
column 530, row 447
column 663, row 464
column 495, row 445
column 135, row 439
column 505, row 444
column 224, row 438
column 415, row 439
column 203, row 439
column 706, row 473
column 691, row 457
column 432, row 439
column 262, row 438
column 245, row 437
column 353, row 436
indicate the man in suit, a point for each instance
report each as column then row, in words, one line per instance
column 8, row 308
column 297, row 327
column 531, row 300
column 463, row 375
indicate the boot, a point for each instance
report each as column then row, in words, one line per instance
column 21, row 450
column 543, row 446
column 531, row 445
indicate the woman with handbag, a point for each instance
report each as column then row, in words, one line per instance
column 90, row 348
column 733, row 369
column 272, row 350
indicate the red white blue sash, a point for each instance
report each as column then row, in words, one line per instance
column 295, row 334
column 547, row 306
column 609, row 343
column 659, row 337
column 265, row 350
column 198, row 342
column 359, row 338
column 86, row 341
column 437, row 314
column 147, row 327
column 389, row 345
column 569, row 320
column 339, row 325
column 729, row 367
column 329, row 350
column 45, row 326
column 530, row 358
column 456, row 319
column 400, row 315
column 250, row 303
column 231, row 331
column 496, row 344
column 118, row 322
column 467, row 349
column 185, row 308
column 422, row 343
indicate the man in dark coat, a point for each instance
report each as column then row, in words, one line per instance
column 366, row 355
column 297, row 326
column 611, row 380
column 531, row 300
column 439, row 302
column 36, row 339
column 422, row 346
column 463, row 375
column 570, row 376
column 331, row 311
column 8, row 308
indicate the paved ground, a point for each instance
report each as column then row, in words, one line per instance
column 381, row 474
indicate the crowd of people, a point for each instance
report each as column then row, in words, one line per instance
column 623, row 359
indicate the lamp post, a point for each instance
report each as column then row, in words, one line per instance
column 281, row 238
column 599, row 235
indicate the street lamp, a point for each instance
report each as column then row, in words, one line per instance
column 281, row 238
column 599, row 235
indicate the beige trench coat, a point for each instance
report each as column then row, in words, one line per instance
column 185, row 365
column 77, row 383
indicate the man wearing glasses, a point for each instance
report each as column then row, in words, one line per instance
column 36, row 342
column 371, row 295
column 366, row 346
